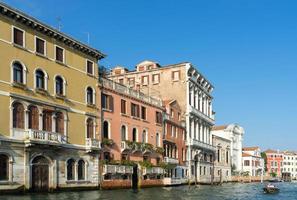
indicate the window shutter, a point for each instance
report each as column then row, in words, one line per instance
column 110, row 102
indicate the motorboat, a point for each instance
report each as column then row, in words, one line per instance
column 270, row 189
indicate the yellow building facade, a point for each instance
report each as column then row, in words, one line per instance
column 49, row 134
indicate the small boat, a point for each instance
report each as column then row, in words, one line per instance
column 270, row 189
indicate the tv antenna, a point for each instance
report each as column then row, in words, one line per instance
column 59, row 23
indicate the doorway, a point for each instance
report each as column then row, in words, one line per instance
column 135, row 178
column 40, row 174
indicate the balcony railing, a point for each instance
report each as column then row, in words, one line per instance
column 125, row 146
column 193, row 142
column 153, row 170
column 201, row 115
column 93, row 144
column 117, row 169
column 126, row 90
column 170, row 160
column 44, row 136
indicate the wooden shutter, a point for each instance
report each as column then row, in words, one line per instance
column 110, row 100
column 39, row 46
column 59, row 54
column 18, row 37
column 90, row 67
column 123, row 106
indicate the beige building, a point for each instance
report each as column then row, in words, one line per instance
column 184, row 83
column 49, row 110
column 222, row 165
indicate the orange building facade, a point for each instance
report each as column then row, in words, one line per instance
column 131, row 127
column 274, row 162
column 174, row 144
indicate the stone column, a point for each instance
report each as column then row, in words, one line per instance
column 26, row 125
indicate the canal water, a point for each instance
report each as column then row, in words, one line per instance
column 230, row 191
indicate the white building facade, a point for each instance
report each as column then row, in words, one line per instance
column 234, row 133
column 290, row 164
column 252, row 162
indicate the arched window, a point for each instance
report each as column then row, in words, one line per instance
column 90, row 97
column 134, row 135
column 90, row 128
column 40, row 79
column 47, row 120
column 18, row 115
column 70, row 169
column 59, row 123
column 123, row 133
column 144, row 136
column 33, row 118
column 59, row 86
column 105, row 129
column 18, row 76
column 81, row 170
column 157, row 139
column 4, row 167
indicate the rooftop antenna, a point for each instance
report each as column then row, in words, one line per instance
column 59, row 23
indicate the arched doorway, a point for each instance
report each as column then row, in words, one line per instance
column 40, row 174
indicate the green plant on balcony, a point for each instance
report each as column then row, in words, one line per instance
column 128, row 163
column 130, row 144
column 137, row 145
column 167, row 166
column 159, row 150
column 107, row 142
column 146, row 164
column 147, row 147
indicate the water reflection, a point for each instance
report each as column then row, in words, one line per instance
column 224, row 192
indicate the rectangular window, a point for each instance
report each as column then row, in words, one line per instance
column 131, row 81
column 171, row 113
column 123, row 106
column 143, row 113
column 158, row 117
column 178, row 116
column 40, row 46
column 175, row 75
column 246, row 163
column 18, row 37
column 156, row 78
column 59, row 54
column 135, row 110
column 121, row 81
column 144, row 80
column 107, row 102
column 90, row 67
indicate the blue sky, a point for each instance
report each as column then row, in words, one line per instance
column 247, row 48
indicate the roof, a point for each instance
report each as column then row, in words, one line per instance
column 169, row 101
column 37, row 25
column 271, row 151
column 246, row 155
column 250, row 148
column 219, row 128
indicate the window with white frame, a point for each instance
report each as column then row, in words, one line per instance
column 175, row 75
column 18, row 36
column 59, row 86
column 40, row 46
column 144, row 80
column 40, row 80
column 156, row 78
column 59, row 54
column 90, row 67
column 18, row 73
column 90, row 96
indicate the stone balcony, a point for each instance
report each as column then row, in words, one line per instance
column 92, row 144
column 117, row 169
column 44, row 137
column 125, row 146
column 170, row 160
column 202, row 115
column 199, row 144
column 106, row 83
column 153, row 170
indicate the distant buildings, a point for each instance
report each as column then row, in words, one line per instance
column 274, row 160
column 290, row 164
column 234, row 133
column 252, row 162
column 222, row 165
